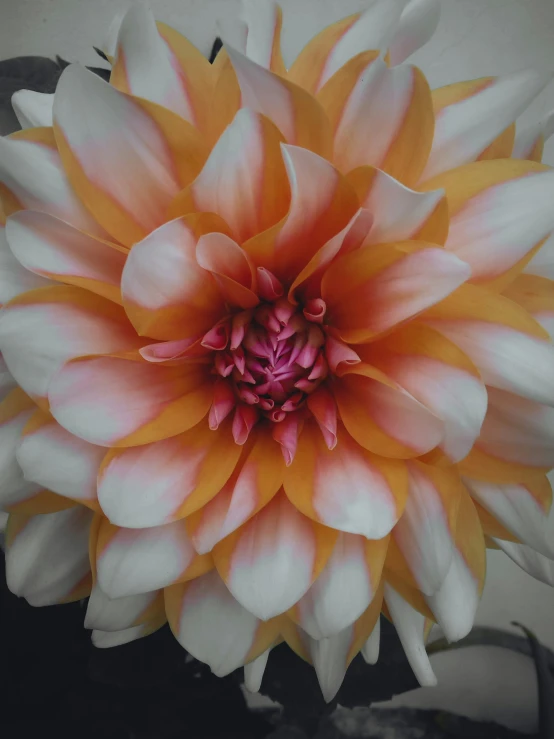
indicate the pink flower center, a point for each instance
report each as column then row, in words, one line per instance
column 273, row 356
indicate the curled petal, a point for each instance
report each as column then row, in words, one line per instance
column 398, row 212
column 339, row 355
column 324, row 409
column 244, row 420
column 230, row 267
column 286, row 434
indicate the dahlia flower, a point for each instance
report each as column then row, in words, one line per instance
column 276, row 342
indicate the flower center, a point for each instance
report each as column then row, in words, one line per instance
column 273, row 357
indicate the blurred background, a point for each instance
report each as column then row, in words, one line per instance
column 475, row 38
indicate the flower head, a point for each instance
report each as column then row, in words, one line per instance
column 278, row 342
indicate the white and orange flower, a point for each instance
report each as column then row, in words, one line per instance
column 277, row 342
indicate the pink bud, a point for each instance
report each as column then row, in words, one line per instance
column 223, row 403
column 314, row 310
column 244, row 420
column 286, row 434
column 338, row 353
column 218, row 336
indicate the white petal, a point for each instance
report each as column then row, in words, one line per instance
column 7, row 381
column 455, row 603
column 517, row 510
column 260, row 17
column 106, row 639
column 49, row 557
column 423, row 534
column 33, row 108
column 535, row 564
column 418, row 22
column 329, row 657
column 109, row 43
column 272, row 563
column 500, row 225
column 527, row 138
column 542, row 264
column 14, row 278
column 410, row 626
column 213, row 626
column 13, row 487
column 254, row 672
column 464, row 129
column 398, row 212
column 109, row 614
column 370, row 650
column 342, row 591
column 61, row 462
column 373, row 30
column 141, row 560
column 149, row 65
column 33, row 172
